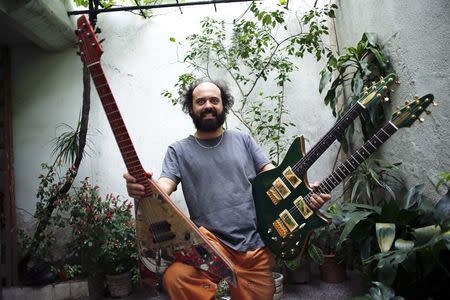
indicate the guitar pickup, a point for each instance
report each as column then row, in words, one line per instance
column 280, row 228
column 281, row 188
column 290, row 175
column 288, row 220
column 274, row 196
column 302, row 207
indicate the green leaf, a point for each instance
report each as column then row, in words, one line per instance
column 172, row 39
column 371, row 38
column 424, row 234
column 324, row 79
column 401, row 244
column 355, row 218
column 385, row 233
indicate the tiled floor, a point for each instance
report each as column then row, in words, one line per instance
column 315, row 289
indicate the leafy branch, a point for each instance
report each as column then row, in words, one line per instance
column 252, row 50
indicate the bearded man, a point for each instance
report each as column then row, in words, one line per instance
column 215, row 168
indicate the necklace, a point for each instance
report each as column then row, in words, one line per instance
column 212, row 146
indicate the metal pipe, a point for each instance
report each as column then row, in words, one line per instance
column 138, row 7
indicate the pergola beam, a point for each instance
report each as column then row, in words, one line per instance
column 141, row 7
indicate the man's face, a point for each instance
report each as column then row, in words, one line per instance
column 207, row 107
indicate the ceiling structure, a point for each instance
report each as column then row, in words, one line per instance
column 46, row 23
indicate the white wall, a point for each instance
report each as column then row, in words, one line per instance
column 416, row 34
column 140, row 63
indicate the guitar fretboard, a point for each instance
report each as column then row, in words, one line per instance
column 353, row 162
column 338, row 129
column 118, row 127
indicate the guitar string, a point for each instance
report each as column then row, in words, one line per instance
column 354, row 108
column 372, row 142
column 348, row 117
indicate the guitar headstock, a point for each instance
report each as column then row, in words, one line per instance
column 378, row 90
column 90, row 50
column 411, row 111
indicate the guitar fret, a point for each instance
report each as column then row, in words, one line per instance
column 325, row 183
column 340, row 178
column 102, row 85
column 357, row 152
column 345, row 167
column 383, row 131
column 378, row 139
column 101, row 96
column 302, row 166
column 357, row 161
column 333, row 180
column 342, row 172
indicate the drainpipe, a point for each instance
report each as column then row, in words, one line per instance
column 43, row 22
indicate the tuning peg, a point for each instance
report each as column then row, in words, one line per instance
column 374, row 83
column 386, row 99
column 413, row 116
column 390, row 80
column 93, row 45
column 365, row 89
column 421, row 119
column 101, row 41
column 416, row 97
column 397, row 82
column 435, row 103
column 379, row 95
column 80, row 42
column 406, row 102
column 98, row 30
column 84, row 25
column 385, row 87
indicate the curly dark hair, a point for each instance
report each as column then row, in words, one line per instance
column 187, row 98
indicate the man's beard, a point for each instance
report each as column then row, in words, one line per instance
column 208, row 125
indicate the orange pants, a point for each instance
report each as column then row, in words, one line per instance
column 253, row 270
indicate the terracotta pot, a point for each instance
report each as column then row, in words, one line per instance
column 331, row 271
column 119, row 285
column 300, row 275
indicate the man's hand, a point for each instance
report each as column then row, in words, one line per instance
column 135, row 190
column 318, row 199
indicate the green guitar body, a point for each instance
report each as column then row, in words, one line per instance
column 286, row 246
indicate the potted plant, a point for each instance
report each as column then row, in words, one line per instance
column 103, row 237
column 118, row 253
column 298, row 270
column 332, row 268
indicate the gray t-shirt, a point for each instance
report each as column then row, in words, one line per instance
column 216, row 185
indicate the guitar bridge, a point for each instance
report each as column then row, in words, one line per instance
column 280, row 228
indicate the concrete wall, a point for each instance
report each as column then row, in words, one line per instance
column 140, row 63
column 416, row 33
